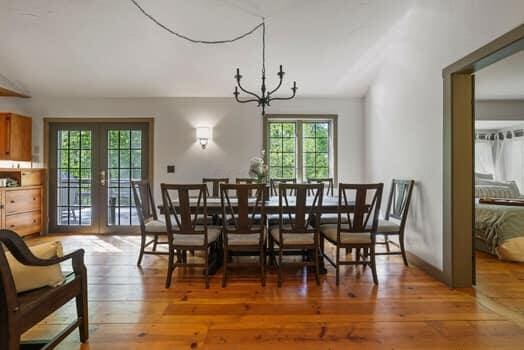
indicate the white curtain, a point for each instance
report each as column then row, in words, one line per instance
column 510, row 164
column 484, row 162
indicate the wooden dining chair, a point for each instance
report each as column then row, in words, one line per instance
column 184, row 231
column 21, row 311
column 396, row 209
column 150, row 224
column 360, row 205
column 328, row 184
column 246, row 181
column 300, row 232
column 274, row 184
column 215, row 185
column 243, row 231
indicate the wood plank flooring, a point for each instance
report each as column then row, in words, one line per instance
column 129, row 308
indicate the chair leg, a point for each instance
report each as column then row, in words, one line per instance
column 142, row 247
column 386, row 240
column 279, row 266
column 155, row 242
column 337, row 266
column 170, row 266
column 262, row 266
column 206, row 271
column 317, row 265
column 402, row 248
column 226, row 260
column 82, row 314
column 357, row 254
column 373, row 265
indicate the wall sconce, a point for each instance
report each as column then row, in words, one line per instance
column 203, row 133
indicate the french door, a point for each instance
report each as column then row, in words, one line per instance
column 91, row 166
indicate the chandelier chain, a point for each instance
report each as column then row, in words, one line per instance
column 197, row 41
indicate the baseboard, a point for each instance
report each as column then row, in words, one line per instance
column 426, row 267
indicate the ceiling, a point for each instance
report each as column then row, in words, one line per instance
column 503, row 80
column 101, row 48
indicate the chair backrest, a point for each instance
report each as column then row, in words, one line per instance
column 215, row 185
column 8, row 296
column 274, row 184
column 246, row 181
column 327, row 181
column 300, row 210
column 248, row 215
column 144, row 202
column 399, row 200
column 359, row 204
column 183, row 206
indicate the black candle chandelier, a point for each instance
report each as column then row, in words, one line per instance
column 266, row 97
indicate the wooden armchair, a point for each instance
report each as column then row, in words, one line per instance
column 20, row 312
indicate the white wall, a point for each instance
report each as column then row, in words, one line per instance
column 404, row 104
column 237, row 131
column 499, row 109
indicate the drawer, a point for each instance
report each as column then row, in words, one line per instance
column 30, row 178
column 20, row 201
column 24, row 224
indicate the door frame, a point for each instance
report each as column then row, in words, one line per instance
column 82, row 120
column 458, row 154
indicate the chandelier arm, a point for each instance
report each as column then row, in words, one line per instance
column 278, row 87
column 247, row 92
column 246, row 101
column 283, row 98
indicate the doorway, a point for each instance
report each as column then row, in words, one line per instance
column 91, row 166
column 458, row 187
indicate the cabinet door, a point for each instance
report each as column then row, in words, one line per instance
column 4, row 136
column 20, row 138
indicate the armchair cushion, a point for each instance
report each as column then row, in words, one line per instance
column 33, row 277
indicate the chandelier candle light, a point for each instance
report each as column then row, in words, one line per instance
column 266, row 97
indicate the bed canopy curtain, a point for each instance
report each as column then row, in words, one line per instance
column 501, row 154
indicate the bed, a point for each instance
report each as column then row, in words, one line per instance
column 499, row 228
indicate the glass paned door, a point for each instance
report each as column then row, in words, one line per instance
column 90, row 174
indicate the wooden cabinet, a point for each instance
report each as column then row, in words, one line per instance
column 15, row 137
column 21, row 208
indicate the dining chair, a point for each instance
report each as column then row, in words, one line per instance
column 246, row 181
column 396, row 209
column 243, row 231
column 361, row 212
column 328, row 184
column 150, row 224
column 274, row 184
column 215, row 185
column 184, row 231
column 300, row 232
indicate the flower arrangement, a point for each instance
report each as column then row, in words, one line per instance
column 258, row 168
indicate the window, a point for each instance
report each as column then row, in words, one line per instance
column 300, row 147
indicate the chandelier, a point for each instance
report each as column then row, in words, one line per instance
column 266, row 97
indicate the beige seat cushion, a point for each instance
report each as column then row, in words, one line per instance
column 156, row 226
column 292, row 238
column 330, row 231
column 333, row 219
column 243, row 238
column 213, row 233
column 33, row 277
column 387, row 226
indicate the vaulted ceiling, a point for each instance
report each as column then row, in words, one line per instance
column 503, row 80
column 101, row 48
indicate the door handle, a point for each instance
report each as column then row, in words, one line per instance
column 102, row 177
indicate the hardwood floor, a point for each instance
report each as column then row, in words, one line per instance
column 129, row 308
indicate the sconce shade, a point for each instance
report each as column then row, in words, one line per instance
column 203, row 134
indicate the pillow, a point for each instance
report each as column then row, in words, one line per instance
column 483, row 176
column 485, row 191
column 33, row 277
column 512, row 185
